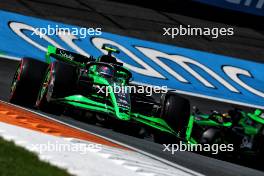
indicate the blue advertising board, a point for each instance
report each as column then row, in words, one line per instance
column 188, row 71
column 255, row 7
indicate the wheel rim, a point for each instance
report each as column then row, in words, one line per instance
column 16, row 80
column 44, row 88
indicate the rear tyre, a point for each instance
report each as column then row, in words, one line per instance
column 259, row 146
column 27, row 81
column 59, row 82
column 176, row 112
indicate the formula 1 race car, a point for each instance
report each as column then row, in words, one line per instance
column 245, row 131
column 72, row 81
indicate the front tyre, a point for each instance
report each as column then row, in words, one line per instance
column 176, row 113
column 59, row 82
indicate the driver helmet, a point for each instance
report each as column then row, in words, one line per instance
column 106, row 71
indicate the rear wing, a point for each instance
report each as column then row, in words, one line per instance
column 66, row 56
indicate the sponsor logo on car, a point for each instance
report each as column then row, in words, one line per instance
column 64, row 54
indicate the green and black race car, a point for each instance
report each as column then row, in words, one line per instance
column 244, row 130
column 72, row 81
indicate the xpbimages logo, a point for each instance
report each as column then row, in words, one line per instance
column 56, row 30
column 197, row 31
column 129, row 89
column 212, row 148
column 56, row 146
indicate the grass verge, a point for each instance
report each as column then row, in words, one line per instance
column 17, row 161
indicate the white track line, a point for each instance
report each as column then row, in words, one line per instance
column 79, row 157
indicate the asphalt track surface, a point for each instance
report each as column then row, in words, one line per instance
column 145, row 21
